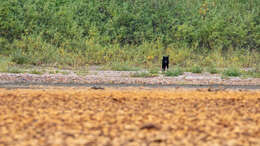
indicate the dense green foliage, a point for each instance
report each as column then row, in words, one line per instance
column 76, row 32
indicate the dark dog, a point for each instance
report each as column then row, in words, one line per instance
column 165, row 63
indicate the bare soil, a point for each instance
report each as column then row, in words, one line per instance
column 129, row 116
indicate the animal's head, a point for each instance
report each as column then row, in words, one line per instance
column 166, row 58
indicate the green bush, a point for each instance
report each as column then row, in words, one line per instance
column 174, row 72
column 196, row 69
column 214, row 23
column 212, row 70
column 76, row 32
column 234, row 72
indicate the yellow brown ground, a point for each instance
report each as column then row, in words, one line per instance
column 129, row 116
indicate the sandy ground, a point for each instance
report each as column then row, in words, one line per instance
column 129, row 116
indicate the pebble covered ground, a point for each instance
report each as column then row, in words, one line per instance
column 129, row 117
column 124, row 77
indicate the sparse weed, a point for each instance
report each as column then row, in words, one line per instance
column 154, row 71
column 123, row 67
column 52, row 72
column 35, row 71
column 14, row 69
column 81, row 72
column 65, row 72
column 254, row 73
column 143, row 74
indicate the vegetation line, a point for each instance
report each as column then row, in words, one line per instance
column 206, row 33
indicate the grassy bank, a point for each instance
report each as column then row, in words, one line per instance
column 74, row 33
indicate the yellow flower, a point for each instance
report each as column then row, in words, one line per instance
column 149, row 57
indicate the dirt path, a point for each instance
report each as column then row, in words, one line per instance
column 124, row 77
column 187, row 86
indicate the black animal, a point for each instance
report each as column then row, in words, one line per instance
column 165, row 63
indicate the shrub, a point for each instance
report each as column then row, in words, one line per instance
column 99, row 32
column 212, row 70
column 234, row 72
column 196, row 69
column 174, row 72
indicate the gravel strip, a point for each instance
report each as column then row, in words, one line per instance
column 124, row 77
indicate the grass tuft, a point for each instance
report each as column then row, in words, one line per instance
column 81, row 72
column 14, row 69
column 174, row 72
column 154, row 71
column 36, row 72
column 212, row 70
column 123, row 67
column 143, row 74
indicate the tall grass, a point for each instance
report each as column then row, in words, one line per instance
column 77, row 32
column 4, row 63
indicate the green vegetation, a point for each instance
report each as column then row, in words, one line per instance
column 196, row 69
column 52, row 72
column 75, row 32
column 122, row 67
column 233, row 72
column 4, row 61
column 81, row 72
column 14, row 69
column 174, row 72
column 154, row 70
column 143, row 74
column 35, row 71
column 255, row 73
column 65, row 72
column 212, row 70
